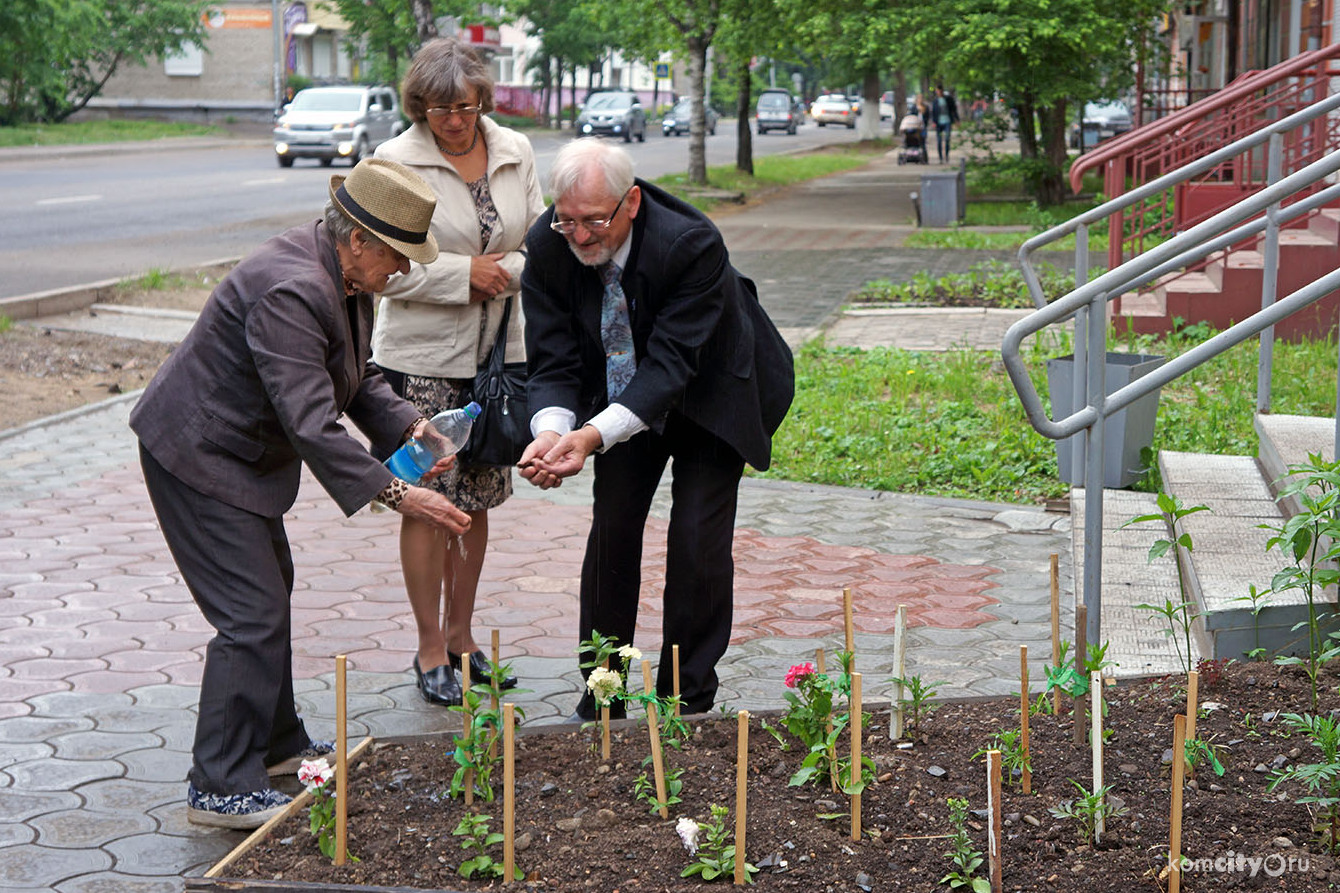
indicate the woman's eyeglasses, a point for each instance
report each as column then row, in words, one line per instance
column 464, row 111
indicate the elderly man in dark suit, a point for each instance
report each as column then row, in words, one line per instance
column 645, row 345
column 279, row 353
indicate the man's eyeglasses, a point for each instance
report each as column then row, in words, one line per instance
column 464, row 111
column 591, row 225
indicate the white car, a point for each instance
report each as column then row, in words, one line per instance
column 833, row 108
column 326, row 123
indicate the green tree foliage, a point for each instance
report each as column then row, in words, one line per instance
column 1043, row 57
column 56, row 55
column 392, row 30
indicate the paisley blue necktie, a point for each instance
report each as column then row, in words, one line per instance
column 616, row 333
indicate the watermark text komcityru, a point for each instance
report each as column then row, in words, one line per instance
column 1269, row 864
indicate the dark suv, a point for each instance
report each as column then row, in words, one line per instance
column 776, row 110
column 613, row 113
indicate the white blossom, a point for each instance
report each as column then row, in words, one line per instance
column 628, row 652
column 687, row 829
column 604, row 684
column 315, row 773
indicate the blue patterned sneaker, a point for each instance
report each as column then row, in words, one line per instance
column 240, row 811
column 314, row 751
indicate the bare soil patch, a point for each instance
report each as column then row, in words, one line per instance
column 44, row 371
column 583, row 828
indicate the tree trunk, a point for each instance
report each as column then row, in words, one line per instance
column 1051, row 187
column 744, row 146
column 424, row 26
column 1028, row 137
column 867, row 125
column 697, row 120
column 899, row 97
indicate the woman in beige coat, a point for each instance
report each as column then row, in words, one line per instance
column 436, row 325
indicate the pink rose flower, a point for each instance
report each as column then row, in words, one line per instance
column 794, row 675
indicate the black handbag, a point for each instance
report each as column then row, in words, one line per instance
column 502, row 432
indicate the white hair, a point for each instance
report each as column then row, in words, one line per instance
column 577, row 159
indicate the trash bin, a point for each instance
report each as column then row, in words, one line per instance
column 1125, row 433
column 938, row 201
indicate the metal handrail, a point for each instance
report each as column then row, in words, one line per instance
column 1167, row 181
column 1089, row 299
column 1232, row 93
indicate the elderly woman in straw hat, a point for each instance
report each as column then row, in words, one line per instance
column 281, row 350
column 436, row 326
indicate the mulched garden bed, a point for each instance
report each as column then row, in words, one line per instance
column 580, row 827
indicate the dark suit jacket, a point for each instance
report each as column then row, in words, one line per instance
column 259, row 384
column 704, row 345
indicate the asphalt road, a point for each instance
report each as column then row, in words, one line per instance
column 90, row 217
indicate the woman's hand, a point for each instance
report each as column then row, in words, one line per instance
column 488, row 279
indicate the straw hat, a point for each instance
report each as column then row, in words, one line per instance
column 391, row 202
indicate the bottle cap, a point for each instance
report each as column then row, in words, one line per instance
column 473, row 409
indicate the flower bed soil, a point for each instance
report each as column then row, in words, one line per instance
column 580, row 827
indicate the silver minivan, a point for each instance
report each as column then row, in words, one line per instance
column 336, row 122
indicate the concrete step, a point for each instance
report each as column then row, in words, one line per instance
column 1228, row 554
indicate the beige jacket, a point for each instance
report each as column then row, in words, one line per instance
column 426, row 324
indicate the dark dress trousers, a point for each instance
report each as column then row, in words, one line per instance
column 257, row 388
column 714, row 380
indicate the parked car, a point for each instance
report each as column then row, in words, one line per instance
column 886, row 105
column 613, row 113
column 776, row 110
column 1101, row 120
column 833, row 108
column 855, row 103
column 676, row 121
column 336, row 122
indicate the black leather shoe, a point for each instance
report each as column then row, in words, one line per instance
column 438, row 685
column 479, row 669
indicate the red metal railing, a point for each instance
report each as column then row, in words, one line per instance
column 1244, row 106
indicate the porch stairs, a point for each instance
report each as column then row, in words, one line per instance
column 1228, row 289
column 1229, row 553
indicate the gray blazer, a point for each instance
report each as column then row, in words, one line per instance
column 258, row 386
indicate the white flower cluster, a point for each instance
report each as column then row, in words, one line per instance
column 604, row 684
column 687, row 829
column 315, row 773
column 629, row 653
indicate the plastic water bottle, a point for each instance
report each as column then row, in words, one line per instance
column 416, row 456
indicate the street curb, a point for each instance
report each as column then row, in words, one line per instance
column 75, row 150
column 86, row 409
column 81, row 297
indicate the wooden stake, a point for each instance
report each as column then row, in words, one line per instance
column 741, row 793
column 1175, row 824
column 1056, row 630
column 899, row 671
column 605, row 723
column 468, row 727
column 856, row 754
column 654, row 730
column 1081, row 648
column 1192, row 705
column 674, row 676
column 1024, row 699
column 847, row 626
column 1096, row 745
column 993, row 817
column 509, row 791
column 341, row 761
column 493, row 747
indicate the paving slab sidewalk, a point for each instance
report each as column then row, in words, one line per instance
column 101, row 649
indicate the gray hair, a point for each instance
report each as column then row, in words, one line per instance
column 575, row 161
column 342, row 227
column 443, row 71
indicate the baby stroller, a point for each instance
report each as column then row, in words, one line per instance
column 914, row 147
